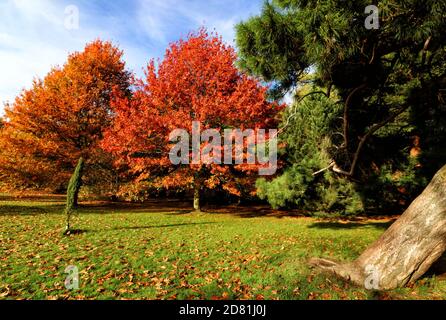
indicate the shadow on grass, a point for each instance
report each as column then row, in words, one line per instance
column 33, row 197
column 54, row 204
column 93, row 207
column 156, row 206
column 18, row 210
column 148, row 227
column 252, row 211
column 180, row 212
column 174, row 207
column 438, row 269
column 352, row 225
column 75, row 232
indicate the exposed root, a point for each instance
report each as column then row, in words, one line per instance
column 348, row 272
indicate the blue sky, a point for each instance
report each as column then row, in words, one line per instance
column 34, row 37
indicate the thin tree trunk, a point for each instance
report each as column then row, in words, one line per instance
column 197, row 187
column 406, row 250
column 346, row 115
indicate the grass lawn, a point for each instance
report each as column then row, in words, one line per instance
column 162, row 252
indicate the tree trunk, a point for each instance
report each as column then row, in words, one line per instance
column 406, row 250
column 197, row 188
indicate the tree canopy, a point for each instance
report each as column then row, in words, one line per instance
column 389, row 132
column 61, row 118
column 196, row 81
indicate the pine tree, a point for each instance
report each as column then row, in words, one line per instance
column 391, row 84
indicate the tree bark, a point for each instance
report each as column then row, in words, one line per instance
column 197, row 188
column 346, row 114
column 406, row 250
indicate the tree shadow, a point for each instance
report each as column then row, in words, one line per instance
column 336, row 225
column 173, row 207
column 149, row 227
column 177, row 207
column 20, row 210
column 169, row 207
column 438, row 269
column 33, row 197
column 180, row 212
column 75, row 232
column 252, row 211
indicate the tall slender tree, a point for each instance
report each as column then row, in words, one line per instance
column 74, row 187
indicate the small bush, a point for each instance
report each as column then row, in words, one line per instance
column 73, row 192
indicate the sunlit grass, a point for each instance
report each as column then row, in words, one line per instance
column 133, row 252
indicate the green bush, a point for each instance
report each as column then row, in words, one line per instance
column 308, row 138
column 388, row 179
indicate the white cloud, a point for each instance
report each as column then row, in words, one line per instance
column 33, row 37
column 154, row 18
column 161, row 18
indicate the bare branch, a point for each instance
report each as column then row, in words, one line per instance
column 372, row 130
column 425, row 48
column 346, row 111
column 332, row 164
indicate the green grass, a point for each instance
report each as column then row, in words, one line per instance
column 138, row 252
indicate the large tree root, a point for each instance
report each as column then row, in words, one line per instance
column 407, row 250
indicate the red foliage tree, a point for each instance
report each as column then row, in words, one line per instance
column 61, row 118
column 196, row 81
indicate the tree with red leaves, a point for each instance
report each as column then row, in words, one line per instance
column 197, row 82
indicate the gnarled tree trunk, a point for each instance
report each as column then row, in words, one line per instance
column 407, row 249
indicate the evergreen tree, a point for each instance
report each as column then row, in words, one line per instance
column 74, row 187
column 389, row 135
column 307, row 136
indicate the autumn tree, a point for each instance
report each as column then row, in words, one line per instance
column 196, row 81
column 60, row 119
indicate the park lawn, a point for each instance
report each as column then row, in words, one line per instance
column 128, row 251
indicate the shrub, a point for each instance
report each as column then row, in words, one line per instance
column 308, row 144
column 73, row 192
